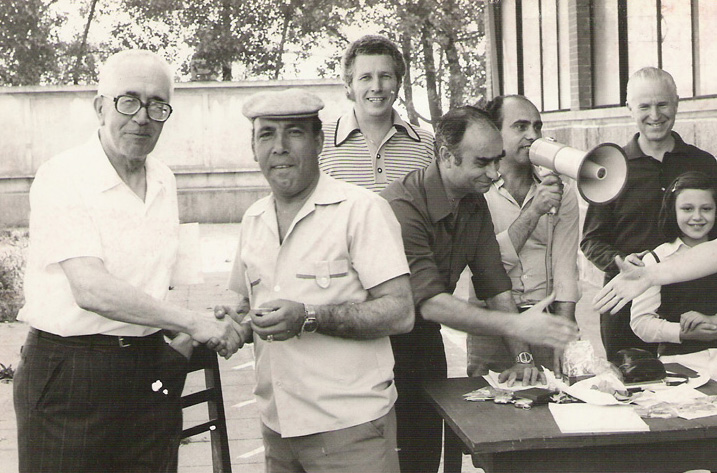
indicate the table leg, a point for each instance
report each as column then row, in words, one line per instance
column 452, row 451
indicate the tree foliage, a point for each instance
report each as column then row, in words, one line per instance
column 28, row 46
column 442, row 40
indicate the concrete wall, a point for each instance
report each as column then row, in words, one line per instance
column 206, row 142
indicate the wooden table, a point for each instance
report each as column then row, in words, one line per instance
column 503, row 438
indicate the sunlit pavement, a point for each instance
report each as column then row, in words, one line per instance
column 218, row 246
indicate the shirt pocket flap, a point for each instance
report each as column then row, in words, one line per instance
column 323, row 271
column 252, row 278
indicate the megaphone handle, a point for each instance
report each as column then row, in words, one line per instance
column 549, row 255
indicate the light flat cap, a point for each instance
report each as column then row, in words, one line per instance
column 289, row 103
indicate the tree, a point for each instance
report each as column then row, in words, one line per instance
column 449, row 61
column 442, row 40
column 83, row 43
column 28, row 44
column 257, row 34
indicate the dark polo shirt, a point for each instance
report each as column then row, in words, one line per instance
column 629, row 223
column 440, row 243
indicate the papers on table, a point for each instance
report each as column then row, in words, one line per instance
column 678, row 401
column 586, row 418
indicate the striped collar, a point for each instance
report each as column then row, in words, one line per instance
column 348, row 124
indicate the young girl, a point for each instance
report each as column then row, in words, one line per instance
column 681, row 316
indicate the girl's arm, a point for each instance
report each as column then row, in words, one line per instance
column 644, row 320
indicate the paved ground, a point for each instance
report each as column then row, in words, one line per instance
column 218, row 245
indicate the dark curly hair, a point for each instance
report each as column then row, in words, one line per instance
column 667, row 222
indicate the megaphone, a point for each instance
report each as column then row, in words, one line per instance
column 600, row 173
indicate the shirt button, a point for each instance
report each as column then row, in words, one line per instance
column 380, row 170
column 277, row 288
column 378, row 156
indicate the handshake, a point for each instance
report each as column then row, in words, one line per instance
column 229, row 329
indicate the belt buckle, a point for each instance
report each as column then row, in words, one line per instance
column 122, row 343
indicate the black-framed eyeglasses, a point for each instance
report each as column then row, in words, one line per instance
column 129, row 105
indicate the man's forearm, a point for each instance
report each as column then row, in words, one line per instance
column 564, row 309
column 98, row 291
column 455, row 313
column 504, row 302
column 389, row 311
column 601, row 254
column 366, row 320
column 698, row 262
column 522, row 227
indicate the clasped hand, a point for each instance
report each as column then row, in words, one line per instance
column 222, row 334
column 697, row 326
column 276, row 320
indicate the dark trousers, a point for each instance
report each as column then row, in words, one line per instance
column 420, row 358
column 617, row 334
column 98, row 408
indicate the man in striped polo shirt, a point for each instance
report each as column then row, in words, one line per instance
column 372, row 145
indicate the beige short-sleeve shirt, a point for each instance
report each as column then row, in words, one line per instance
column 344, row 241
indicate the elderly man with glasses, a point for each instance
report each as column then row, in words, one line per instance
column 98, row 388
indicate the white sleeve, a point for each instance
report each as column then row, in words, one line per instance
column 644, row 320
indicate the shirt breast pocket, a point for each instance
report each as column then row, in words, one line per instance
column 322, row 272
column 252, row 280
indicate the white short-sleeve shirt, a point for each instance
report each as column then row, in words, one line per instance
column 80, row 207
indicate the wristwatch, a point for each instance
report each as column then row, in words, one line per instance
column 311, row 324
column 524, row 358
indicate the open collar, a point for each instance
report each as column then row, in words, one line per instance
column 104, row 176
column 347, row 124
column 328, row 191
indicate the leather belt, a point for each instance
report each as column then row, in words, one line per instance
column 99, row 340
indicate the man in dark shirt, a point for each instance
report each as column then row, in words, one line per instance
column 446, row 226
column 656, row 156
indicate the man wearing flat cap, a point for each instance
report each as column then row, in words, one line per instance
column 323, row 281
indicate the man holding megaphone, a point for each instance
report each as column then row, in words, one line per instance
column 530, row 214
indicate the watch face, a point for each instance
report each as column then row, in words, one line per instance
column 524, row 357
column 311, row 324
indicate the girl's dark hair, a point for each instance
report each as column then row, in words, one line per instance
column 667, row 222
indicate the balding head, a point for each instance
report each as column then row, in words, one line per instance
column 133, row 61
column 650, row 74
column 494, row 108
column 452, row 127
column 652, row 101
